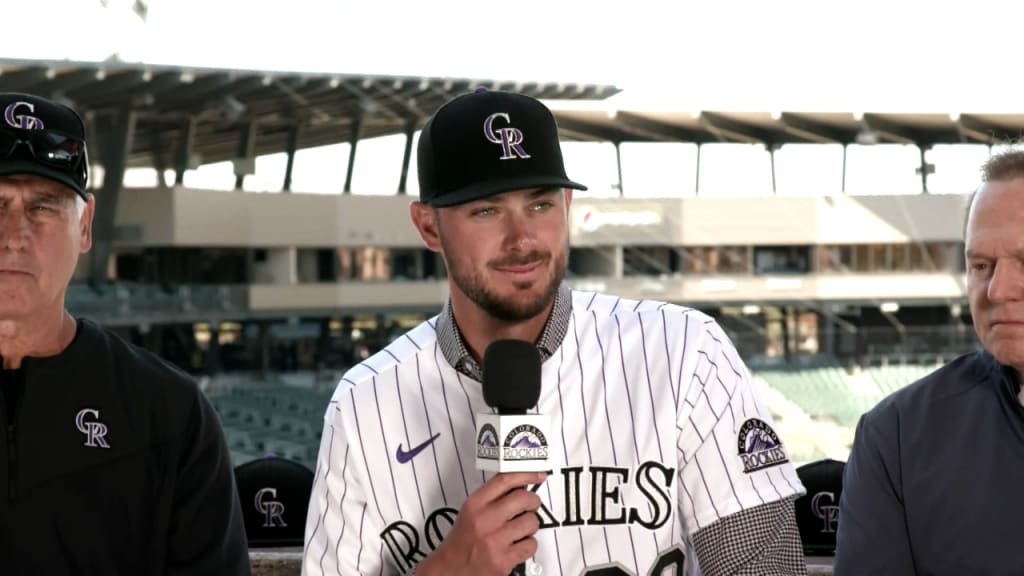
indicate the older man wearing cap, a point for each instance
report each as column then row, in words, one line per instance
column 663, row 453
column 114, row 462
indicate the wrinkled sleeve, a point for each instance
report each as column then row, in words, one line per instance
column 207, row 534
column 872, row 534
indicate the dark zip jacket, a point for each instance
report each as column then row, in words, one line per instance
column 933, row 484
column 114, row 463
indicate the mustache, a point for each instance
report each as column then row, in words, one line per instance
column 521, row 259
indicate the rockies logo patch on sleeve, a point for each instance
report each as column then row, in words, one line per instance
column 759, row 446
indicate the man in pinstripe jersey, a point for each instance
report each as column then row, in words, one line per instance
column 664, row 456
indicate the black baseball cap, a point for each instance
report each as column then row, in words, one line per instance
column 43, row 137
column 488, row 142
column 817, row 511
column 274, row 493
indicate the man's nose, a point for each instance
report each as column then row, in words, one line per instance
column 1007, row 282
column 519, row 233
column 14, row 229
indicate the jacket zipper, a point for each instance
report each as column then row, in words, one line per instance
column 13, row 379
column 12, row 461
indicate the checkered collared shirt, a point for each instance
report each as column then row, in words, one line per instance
column 454, row 349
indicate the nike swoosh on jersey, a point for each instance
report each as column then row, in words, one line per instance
column 404, row 457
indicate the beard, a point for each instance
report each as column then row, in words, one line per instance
column 520, row 306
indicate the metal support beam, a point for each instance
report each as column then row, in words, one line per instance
column 159, row 156
column 842, row 185
column 410, row 131
column 246, row 149
column 18, row 80
column 189, row 89
column 925, row 169
column 591, row 131
column 815, row 131
column 618, row 165
column 115, row 160
column 186, row 141
column 357, row 129
column 107, row 87
column 366, row 103
column 658, row 131
column 696, row 179
column 771, row 159
column 64, row 82
column 293, row 145
column 220, row 88
column 729, row 130
column 972, row 129
column 92, row 137
column 401, row 101
column 149, row 90
column 889, row 130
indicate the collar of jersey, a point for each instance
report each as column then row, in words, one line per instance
column 454, row 348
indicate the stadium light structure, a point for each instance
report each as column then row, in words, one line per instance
column 233, row 109
column 867, row 137
column 889, row 307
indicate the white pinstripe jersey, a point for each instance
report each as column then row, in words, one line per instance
column 657, row 433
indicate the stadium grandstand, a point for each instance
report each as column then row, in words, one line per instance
column 834, row 297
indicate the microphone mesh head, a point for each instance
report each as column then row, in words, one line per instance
column 511, row 376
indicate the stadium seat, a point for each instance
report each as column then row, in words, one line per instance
column 274, row 493
column 817, row 512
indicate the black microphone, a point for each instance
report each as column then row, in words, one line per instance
column 512, row 440
column 511, row 376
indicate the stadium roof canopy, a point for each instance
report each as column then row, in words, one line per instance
column 604, row 122
column 186, row 115
column 213, row 109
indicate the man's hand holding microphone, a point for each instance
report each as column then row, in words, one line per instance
column 493, row 534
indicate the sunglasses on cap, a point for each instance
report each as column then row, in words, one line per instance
column 48, row 147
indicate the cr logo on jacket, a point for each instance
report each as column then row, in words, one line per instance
column 95, row 431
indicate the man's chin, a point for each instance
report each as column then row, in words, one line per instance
column 521, row 308
column 1008, row 353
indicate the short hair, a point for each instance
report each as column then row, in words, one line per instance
column 1004, row 166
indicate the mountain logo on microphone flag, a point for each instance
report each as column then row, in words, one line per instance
column 487, row 443
column 525, row 442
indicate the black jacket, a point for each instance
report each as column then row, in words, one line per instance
column 933, row 483
column 114, row 464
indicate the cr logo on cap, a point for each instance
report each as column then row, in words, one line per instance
column 828, row 513
column 22, row 121
column 272, row 510
column 510, row 138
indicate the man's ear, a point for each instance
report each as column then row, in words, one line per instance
column 85, row 223
column 424, row 218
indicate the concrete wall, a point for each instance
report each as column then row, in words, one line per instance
column 189, row 217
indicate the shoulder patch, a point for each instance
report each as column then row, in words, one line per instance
column 759, row 446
